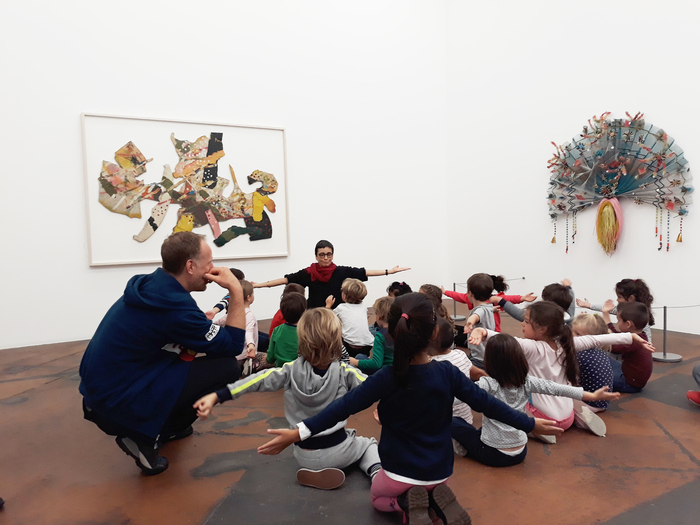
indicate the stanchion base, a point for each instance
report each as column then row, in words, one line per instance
column 668, row 358
column 458, row 318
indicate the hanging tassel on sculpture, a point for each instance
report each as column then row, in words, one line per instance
column 680, row 233
column 609, row 224
column 554, row 238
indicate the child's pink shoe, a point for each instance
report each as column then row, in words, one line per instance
column 694, row 397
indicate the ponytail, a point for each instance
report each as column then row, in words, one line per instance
column 411, row 323
column 499, row 283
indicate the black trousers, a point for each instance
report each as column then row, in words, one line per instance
column 206, row 375
column 470, row 438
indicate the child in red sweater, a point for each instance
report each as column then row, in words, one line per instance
column 632, row 374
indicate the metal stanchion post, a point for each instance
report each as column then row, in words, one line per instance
column 663, row 356
column 456, row 317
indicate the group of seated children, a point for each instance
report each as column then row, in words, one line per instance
column 426, row 387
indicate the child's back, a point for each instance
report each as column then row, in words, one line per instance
column 353, row 315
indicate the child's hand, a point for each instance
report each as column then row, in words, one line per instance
column 636, row 338
column 212, row 313
column 443, row 290
column 354, row 362
column 528, row 297
column 330, row 301
column 250, row 350
column 285, row 437
column 546, row 427
column 376, row 416
column 601, row 394
column 477, row 335
column 566, row 282
column 583, row 303
column 609, row 306
column 205, row 404
column 495, row 300
column 497, row 309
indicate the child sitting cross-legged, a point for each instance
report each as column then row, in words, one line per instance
column 310, row 384
column 284, row 343
column 382, row 354
column 415, row 398
column 497, row 444
column 353, row 317
column 632, row 374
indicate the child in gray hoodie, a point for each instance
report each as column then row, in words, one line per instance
column 312, row 382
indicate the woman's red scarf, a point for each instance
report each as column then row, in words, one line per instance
column 321, row 273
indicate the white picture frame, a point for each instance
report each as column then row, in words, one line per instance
column 246, row 149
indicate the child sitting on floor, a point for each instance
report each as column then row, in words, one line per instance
column 415, row 406
column 310, row 384
column 550, row 349
column 382, row 354
column 353, row 317
column 496, row 444
column 632, row 374
column 253, row 360
column 479, row 288
column 284, row 343
column 628, row 291
column 278, row 318
column 560, row 294
column 594, row 368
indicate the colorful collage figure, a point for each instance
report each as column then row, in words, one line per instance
column 194, row 185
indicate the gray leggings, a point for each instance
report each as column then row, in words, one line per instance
column 352, row 450
column 696, row 373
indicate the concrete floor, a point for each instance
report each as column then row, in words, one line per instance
column 58, row 468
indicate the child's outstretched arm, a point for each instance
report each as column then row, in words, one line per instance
column 269, row 380
column 212, row 313
column 608, row 307
column 473, row 319
column 457, row 296
column 601, row 394
column 285, row 437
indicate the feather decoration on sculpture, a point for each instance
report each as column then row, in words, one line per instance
column 615, row 158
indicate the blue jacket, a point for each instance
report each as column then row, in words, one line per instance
column 131, row 372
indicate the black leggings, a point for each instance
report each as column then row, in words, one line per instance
column 470, row 438
column 206, row 375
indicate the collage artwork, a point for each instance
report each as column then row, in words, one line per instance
column 194, row 185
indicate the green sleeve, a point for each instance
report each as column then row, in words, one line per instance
column 374, row 363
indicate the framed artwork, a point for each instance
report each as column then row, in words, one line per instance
column 147, row 178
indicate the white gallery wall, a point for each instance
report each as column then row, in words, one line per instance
column 359, row 88
column 418, row 134
column 523, row 74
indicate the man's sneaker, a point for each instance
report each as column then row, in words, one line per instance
column 694, row 397
column 592, row 421
column 458, row 449
column 415, row 504
column 325, row 479
column 174, row 436
column 447, row 505
column 147, row 459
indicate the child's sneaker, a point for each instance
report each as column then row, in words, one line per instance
column 415, row 504
column 694, row 397
column 550, row 440
column 592, row 421
column 447, row 505
column 458, row 449
column 324, row 479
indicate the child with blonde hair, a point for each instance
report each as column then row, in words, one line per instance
column 353, row 317
column 310, row 384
